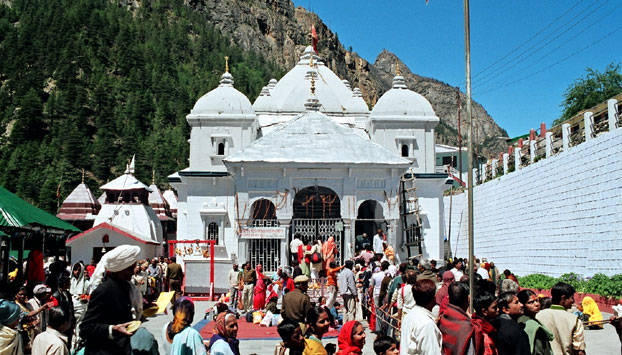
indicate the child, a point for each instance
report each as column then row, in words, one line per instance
column 293, row 342
column 384, row 345
column 335, row 313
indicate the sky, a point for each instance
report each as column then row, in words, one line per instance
column 524, row 53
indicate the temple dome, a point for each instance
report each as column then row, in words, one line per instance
column 289, row 94
column 222, row 102
column 399, row 103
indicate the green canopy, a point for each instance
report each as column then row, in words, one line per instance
column 17, row 213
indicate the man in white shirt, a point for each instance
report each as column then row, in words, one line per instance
column 53, row 341
column 378, row 239
column 234, row 281
column 481, row 271
column 374, row 290
column 457, row 270
column 293, row 247
column 420, row 335
column 42, row 296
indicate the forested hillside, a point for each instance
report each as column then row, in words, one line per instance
column 85, row 84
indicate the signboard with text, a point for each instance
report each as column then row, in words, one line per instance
column 263, row 232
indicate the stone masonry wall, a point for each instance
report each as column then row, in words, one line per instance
column 562, row 214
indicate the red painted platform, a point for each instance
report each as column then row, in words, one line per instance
column 250, row 331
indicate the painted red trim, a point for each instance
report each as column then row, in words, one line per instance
column 115, row 229
column 605, row 304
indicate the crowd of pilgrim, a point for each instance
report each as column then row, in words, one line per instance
column 411, row 307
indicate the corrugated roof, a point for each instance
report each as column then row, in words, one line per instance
column 15, row 212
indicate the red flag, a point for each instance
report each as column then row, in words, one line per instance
column 314, row 37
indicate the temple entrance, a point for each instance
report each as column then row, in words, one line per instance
column 317, row 215
column 369, row 219
column 264, row 250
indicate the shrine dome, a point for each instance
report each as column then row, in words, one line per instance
column 399, row 104
column 222, row 102
column 289, row 94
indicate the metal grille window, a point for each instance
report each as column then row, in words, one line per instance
column 212, row 231
column 266, row 252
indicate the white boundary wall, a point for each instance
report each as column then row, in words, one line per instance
column 562, row 214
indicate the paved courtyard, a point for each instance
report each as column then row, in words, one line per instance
column 599, row 342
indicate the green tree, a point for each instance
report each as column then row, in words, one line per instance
column 590, row 90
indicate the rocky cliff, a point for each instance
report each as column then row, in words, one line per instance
column 280, row 31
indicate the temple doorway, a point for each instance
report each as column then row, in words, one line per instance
column 317, row 215
column 369, row 219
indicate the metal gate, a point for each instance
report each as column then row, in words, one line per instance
column 266, row 252
column 314, row 229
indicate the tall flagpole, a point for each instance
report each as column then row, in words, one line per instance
column 467, row 47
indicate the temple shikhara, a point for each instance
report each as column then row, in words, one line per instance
column 306, row 157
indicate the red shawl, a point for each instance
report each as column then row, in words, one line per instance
column 34, row 267
column 442, row 296
column 458, row 329
column 489, row 332
column 345, row 340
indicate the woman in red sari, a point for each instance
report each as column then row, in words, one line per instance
column 259, row 300
column 329, row 252
column 351, row 338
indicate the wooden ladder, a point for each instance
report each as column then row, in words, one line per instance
column 410, row 213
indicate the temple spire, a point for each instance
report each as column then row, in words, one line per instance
column 152, row 176
column 226, row 64
column 397, row 68
column 83, row 175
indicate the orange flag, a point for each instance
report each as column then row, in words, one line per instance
column 314, row 37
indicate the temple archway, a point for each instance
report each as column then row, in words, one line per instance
column 317, row 202
column 317, row 216
column 369, row 219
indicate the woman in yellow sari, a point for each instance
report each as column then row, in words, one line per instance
column 591, row 308
column 317, row 325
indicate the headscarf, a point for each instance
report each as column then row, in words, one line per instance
column 118, row 259
column 448, row 279
column 329, row 248
column 9, row 312
column 591, row 308
column 345, row 339
column 220, row 331
column 79, row 285
column 392, row 270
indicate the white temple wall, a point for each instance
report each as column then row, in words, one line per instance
column 419, row 137
column 82, row 248
column 558, row 215
column 236, row 134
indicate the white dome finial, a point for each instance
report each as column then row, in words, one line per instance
column 226, row 79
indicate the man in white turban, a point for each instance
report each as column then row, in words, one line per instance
column 104, row 327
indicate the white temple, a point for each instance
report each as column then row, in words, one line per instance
column 125, row 217
column 317, row 164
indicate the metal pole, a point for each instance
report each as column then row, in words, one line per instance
column 467, row 47
column 459, row 138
